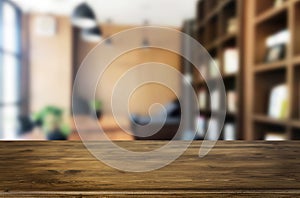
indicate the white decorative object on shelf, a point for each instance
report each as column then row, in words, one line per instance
column 275, row 136
column 278, row 102
column 213, row 128
column 278, row 3
column 281, row 37
column 229, row 132
column 45, row 26
column 215, row 100
column 231, row 101
column 214, row 68
column 232, row 25
column 202, row 99
column 200, row 126
column 231, row 61
column 203, row 71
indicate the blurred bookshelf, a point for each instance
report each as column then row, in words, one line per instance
column 265, row 19
column 219, row 28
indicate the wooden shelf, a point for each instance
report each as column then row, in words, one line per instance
column 212, row 14
column 225, row 2
column 271, row 13
column 199, row 82
column 266, row 20
column 270, row 66
column 254, row 82
column 229, row 76
column 295, row 93
column 296, row 60
column 204, row 112
column 231, row 114
column 209, row 112
column 227, row 38
column 224, row 77
column 269, row 120
column 216, row 21
column 200, row 25
column 213, row 45
column 217, row 42
column 296, row 29
column 209, row 80
column 295, row 124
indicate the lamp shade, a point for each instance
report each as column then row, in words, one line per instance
column 84, row 17
column 92, row 34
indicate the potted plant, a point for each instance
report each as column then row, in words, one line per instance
column 96, row 107
column 50, row 119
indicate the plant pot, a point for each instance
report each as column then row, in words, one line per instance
column 98, row 114
column 56, row 135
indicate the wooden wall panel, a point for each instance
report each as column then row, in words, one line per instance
column 50, row 66
column 53, row 59
column 145, row 96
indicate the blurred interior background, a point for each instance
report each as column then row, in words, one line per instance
column 254, row 43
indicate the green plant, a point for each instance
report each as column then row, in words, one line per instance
column 50, row 119
column 96, row 105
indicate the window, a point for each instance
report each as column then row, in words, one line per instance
column 10, row 63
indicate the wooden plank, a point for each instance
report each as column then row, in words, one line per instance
column 269, row 120
column 271, row 13
column 233, row 168
column 265, row 67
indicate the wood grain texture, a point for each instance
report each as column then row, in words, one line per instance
column 231, row 169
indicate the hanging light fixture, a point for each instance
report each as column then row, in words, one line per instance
column 93, row 35
column 84, row 17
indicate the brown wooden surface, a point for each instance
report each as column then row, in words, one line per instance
column 231, row 168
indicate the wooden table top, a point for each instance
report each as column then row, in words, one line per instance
column 231, row 168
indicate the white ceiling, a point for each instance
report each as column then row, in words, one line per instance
column 127, row 12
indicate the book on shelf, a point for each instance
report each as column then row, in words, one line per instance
column 276, row 46
column 202, row 97
column 213, row 129
column 281, row 37
column 278, row 102
column 229, row 132
column 231, row 61
column 278, row 3
column 232, row 26
column 200, row 126
column 275, row 136
column 203, row 71
column 214, row 68
column 215, row 100
column 231, row 101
